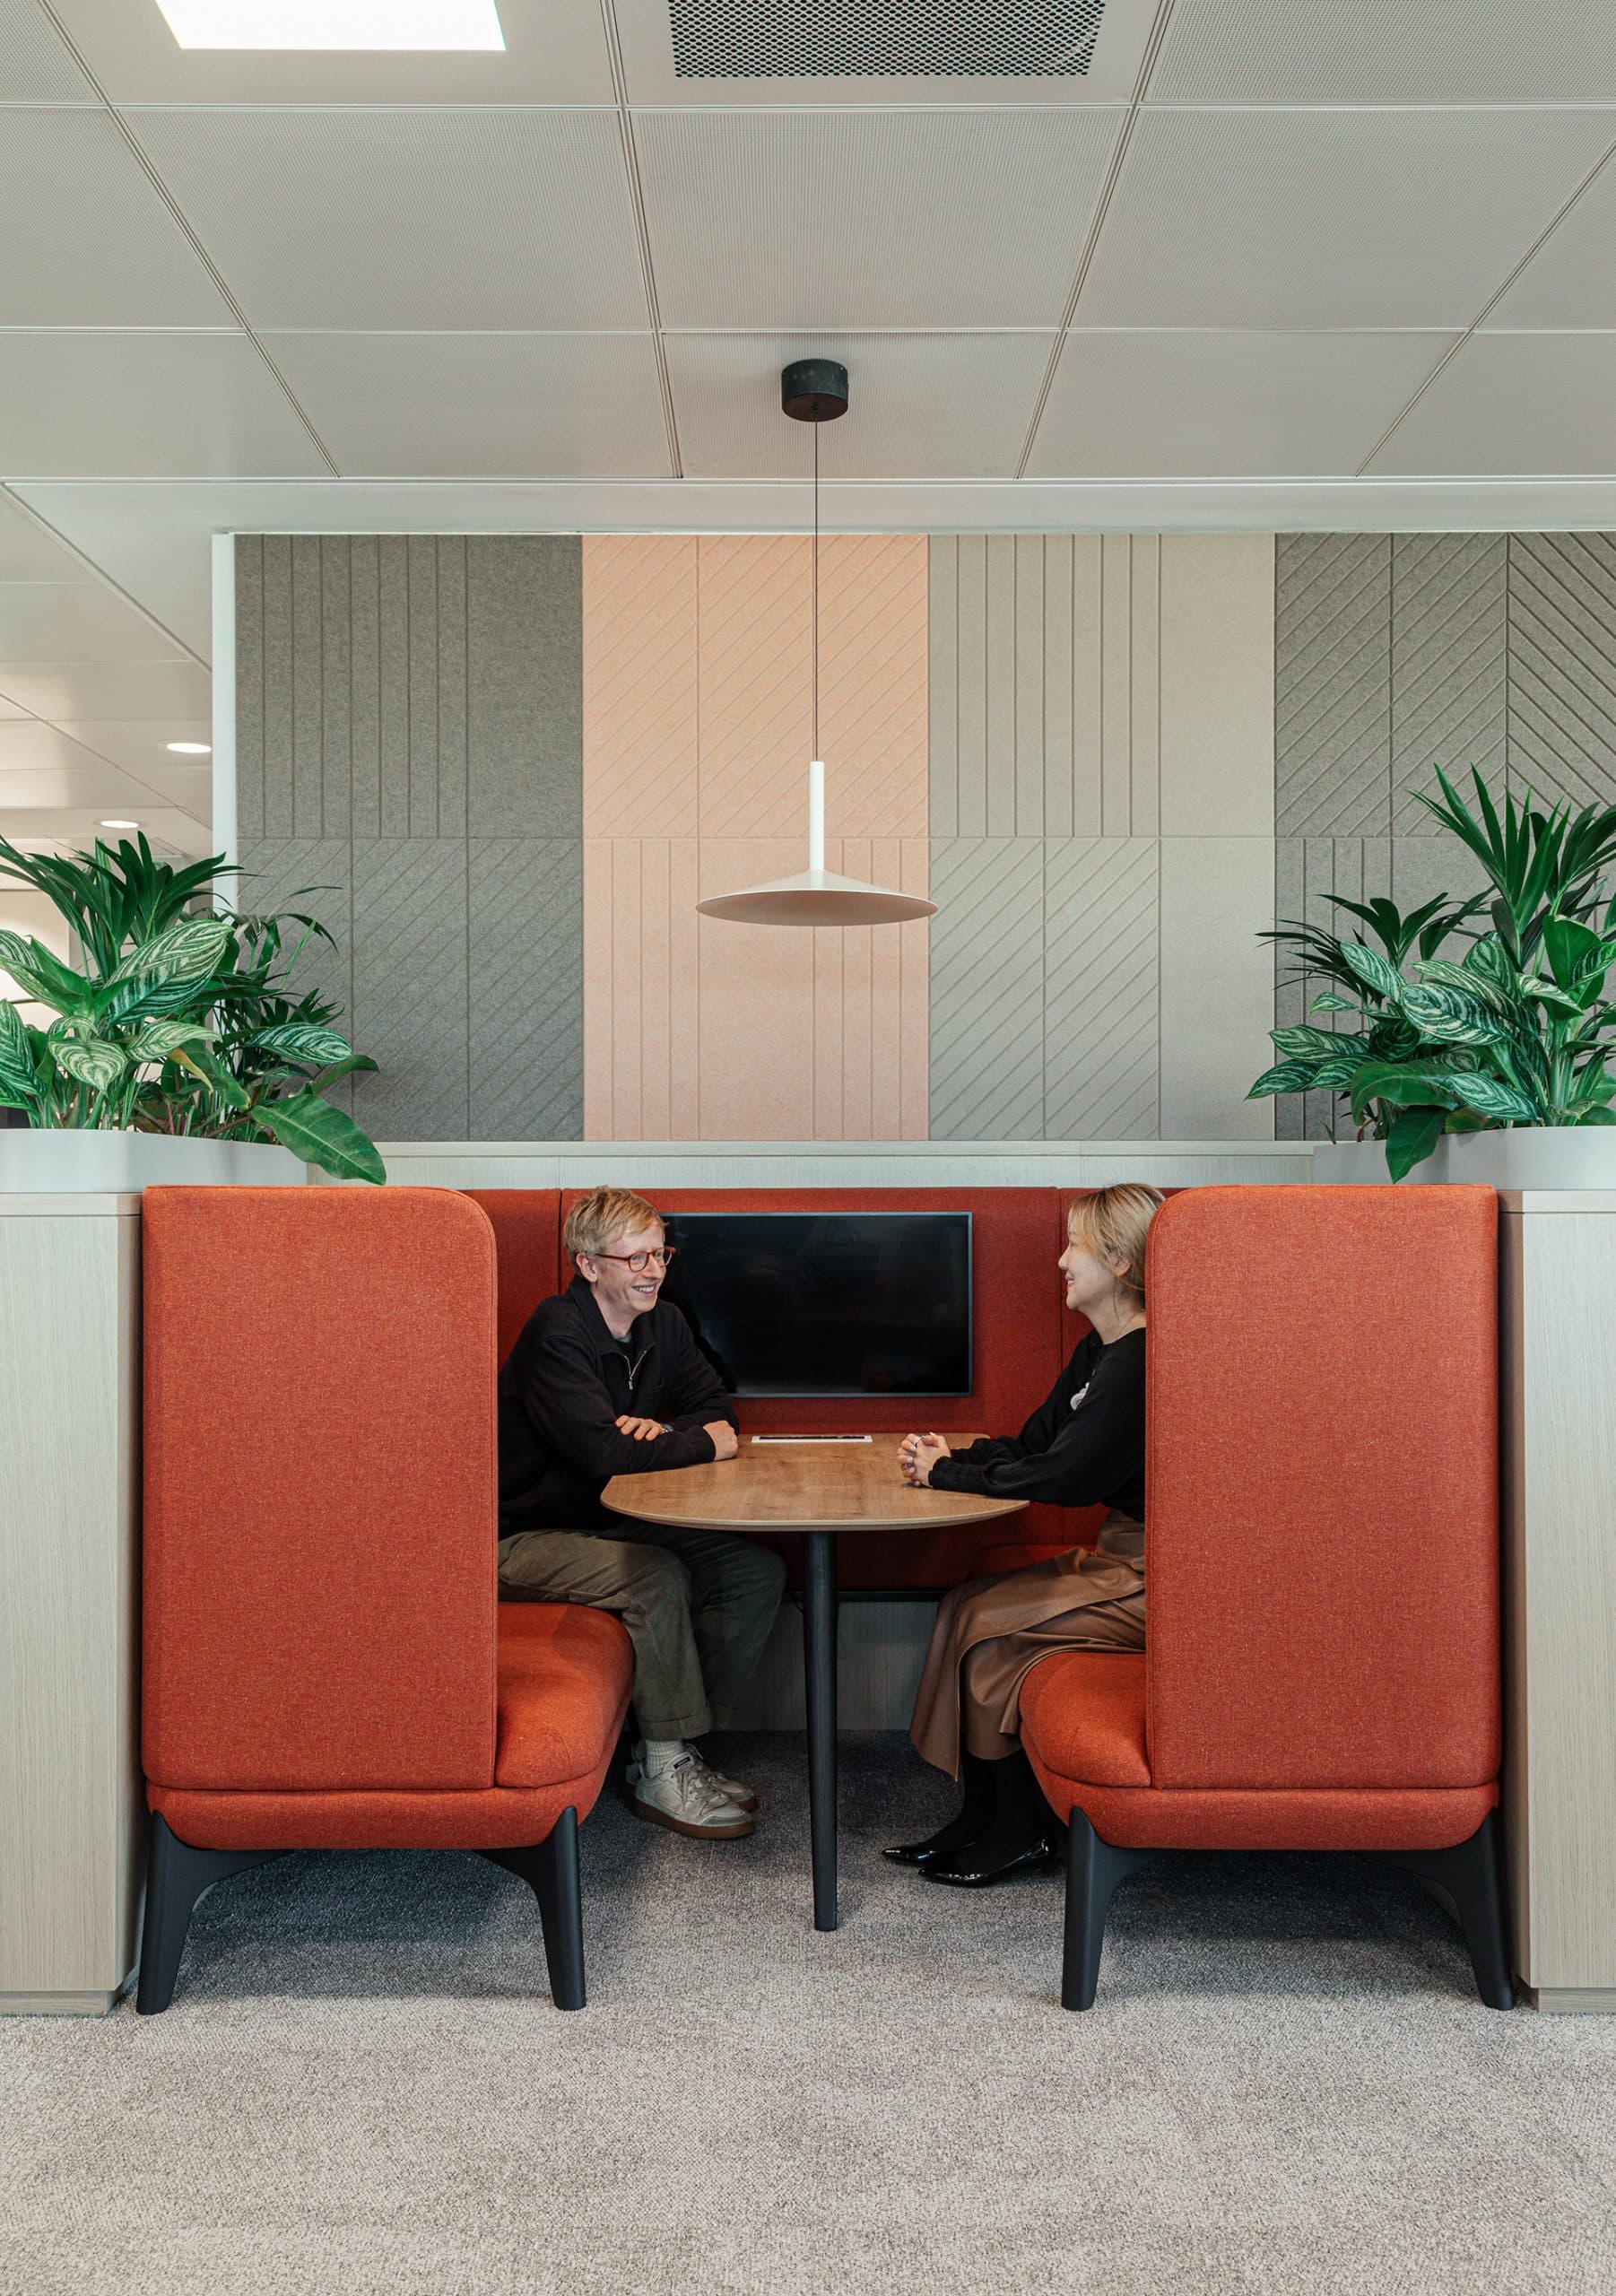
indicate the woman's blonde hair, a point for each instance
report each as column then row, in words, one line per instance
column 602, row 1214
column 1113, row 1223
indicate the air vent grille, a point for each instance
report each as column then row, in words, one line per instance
column 767, row 40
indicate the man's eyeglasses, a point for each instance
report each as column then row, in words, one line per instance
column 637, row 1262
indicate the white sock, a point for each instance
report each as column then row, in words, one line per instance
column 660, row 1754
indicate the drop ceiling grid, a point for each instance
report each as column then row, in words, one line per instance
column 35, row 67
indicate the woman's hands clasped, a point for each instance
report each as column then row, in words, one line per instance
column 918, row 1455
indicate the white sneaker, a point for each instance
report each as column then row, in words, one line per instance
column 683, row 1798
column 741, row 1796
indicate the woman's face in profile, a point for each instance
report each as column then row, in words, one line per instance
column 1089, row 1282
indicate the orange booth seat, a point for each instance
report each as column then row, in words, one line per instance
column 326, row 1665
column 1322, row 1661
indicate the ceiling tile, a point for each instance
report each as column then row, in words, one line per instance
column 60, row 690
column 64, row 828
column 1571, row 281
column 140, row 748
column 28, row 554
column 653, row 78
column 30, row 743
column 32, row 786
column 555, row 53
column 136, row 405
column 191, row 791
column 76, row 621
column 88, row 240
column 482, row 405
column 1148, row 404
column 1511, row 406
column 1330, row 219
column 413, row 219
column 35, row 66
column 958, row 218
column 1387, row 51
column 919, row 406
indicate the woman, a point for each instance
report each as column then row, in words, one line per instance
column 1084, row 1444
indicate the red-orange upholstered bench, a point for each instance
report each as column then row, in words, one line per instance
column 326, row 1662
column 1321, row 1664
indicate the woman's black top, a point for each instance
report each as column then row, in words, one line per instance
column 1084, row 1446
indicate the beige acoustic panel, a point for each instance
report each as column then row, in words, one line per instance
column 481, row 406
column 1388, row 52
column 555, row 53
column 146, row 405
column 920, row 405
column 72, row 621
column 1513, row 403
column 875, row 220
column 653, row 77
column 1215, row 690
column 89, row 241
column 409, row 219
column 1158, row 403
column 1571, row 281
column 35, row 64
column 1217, row 986
column 1291, row 219
column 156, row 690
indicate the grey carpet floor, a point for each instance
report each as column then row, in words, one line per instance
column 1287, row 2085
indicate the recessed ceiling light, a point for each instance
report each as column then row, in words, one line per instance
column 120, row 824
column 334, row 23
column 191, row 749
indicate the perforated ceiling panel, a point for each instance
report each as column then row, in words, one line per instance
column 750, row 39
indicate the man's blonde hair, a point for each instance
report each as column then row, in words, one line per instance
column 1113, row 1223
column 605, row 1212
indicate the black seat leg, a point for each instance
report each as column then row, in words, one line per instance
column 1469, row 1879
column 177, row 1877
column 1093, row 1869
column 551, row 1871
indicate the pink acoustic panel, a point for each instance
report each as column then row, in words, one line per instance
column 640, row 685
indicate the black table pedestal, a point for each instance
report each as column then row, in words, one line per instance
column 819, row 1667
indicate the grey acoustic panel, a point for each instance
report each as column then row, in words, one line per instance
column 1448, row 667
column 524, row 596
column 1333, row 685
column 1307, row 872
column 312, row 877
column 1101, row 989
column 960, row 218
column 410, row 986
column 1562, row 666
column 987, row 988
column 526, row 1002
column 1388, row 52
column 294, row 686
column 499, row 218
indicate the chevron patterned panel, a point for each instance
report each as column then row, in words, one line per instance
column 1448, row 667
column 526, row 1004
column 308, row 875
column 640, row 685
column 1333, row 685
column 1101, row 990
column 1562, row 666
column 987, row 988
column 410, row 986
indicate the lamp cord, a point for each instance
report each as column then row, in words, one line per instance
column 816, row 589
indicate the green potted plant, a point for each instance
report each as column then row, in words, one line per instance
column 1474, row 1042
column 177, row 1049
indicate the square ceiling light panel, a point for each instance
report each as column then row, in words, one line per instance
column 877, row 220
column 453, row 218
column 1512, row 405
column 88, row 239
column 491, row 406
column 1138, row 403
column 1389, row 51
column 921, row 406
column 334, row 23
column 75, row 404
column 1331, row 218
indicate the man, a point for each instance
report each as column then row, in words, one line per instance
column 606, row 1380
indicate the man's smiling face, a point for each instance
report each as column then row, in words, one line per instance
column 622, row 1292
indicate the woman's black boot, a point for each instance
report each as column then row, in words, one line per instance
column 1021, row 1832
column 978, row 1802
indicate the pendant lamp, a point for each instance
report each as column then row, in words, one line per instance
column 815, row 390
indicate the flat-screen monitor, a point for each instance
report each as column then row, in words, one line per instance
column 828, row 1303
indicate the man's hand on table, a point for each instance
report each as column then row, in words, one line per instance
column 725, row 1439
column 918, row 1455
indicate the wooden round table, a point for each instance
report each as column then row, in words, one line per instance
column 824, row 1491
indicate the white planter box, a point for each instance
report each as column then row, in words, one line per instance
column 1566, row 1156
column 123, row 1163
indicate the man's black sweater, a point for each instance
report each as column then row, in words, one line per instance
column 565, row 1383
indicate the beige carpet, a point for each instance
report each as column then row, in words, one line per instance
column 1287, row 2085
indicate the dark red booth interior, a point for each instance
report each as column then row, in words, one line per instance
column 1021, row 1336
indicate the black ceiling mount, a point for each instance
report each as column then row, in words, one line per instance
column 814, row 390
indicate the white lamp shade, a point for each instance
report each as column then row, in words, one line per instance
column 817, row 897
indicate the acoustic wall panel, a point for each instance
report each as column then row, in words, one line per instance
column 1332, row 680
column 987, row 988
column 1562, row 666
column 1101, row 989
column 410, row 987
column 1447, row 638
column 525, row 988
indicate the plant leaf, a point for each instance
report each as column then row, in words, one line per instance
column 1490, row 1096
column 156, row 1040
column 1305, row 1043
column 1403, row 1083
column 17, row 1072
column 93, row 1061
column 1331, row 1003
column 188, row 951
column 1336, row 1073
column 298, row 1041
column 1374, row 970
column 323, row 1135
column 1451, row 1016
column 1413, row 1134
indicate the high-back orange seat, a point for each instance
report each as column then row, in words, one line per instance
column 1322, row 1660
column 326, row 1663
